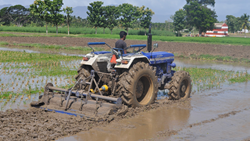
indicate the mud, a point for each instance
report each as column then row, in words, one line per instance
column 211, row 115
column 36, row 124
column 174, row 47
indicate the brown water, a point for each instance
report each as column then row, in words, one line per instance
column 211, row 115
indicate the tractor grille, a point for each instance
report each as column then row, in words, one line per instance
column 102, row 66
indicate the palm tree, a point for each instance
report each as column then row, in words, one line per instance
column 245, row 19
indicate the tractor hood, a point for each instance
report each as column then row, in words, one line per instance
column 159, row 57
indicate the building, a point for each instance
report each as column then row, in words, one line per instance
column 220, row 30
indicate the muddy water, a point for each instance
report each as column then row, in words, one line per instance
column 214, row 115
column 227, row 66
column 142, row 127
column 41, row 50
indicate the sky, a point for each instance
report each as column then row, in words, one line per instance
column 163, row 8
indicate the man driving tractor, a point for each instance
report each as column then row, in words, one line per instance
column 120, row 43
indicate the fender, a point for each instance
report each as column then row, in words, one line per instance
column 131, row 60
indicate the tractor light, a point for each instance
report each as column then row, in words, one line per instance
column 173, row 65
column 85, row 59
column 125, row 62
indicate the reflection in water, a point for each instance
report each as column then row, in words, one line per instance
column 144, row 126
column 228, row 66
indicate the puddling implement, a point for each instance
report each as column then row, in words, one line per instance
column 78, row 102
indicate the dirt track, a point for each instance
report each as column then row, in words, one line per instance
column 174, row 47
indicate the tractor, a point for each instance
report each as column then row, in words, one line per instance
column 112, row 77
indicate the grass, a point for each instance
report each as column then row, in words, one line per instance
column 84, row 50
column 207, row 78
column 207, row 40
column 18, row 57
column 82, row 30
column 241, row 77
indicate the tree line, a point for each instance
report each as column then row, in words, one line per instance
column 237, row 23
column 125, row 15
column 197, row 14
column 50, row 12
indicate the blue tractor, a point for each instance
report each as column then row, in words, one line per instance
column 137, row 76
column 111, row 77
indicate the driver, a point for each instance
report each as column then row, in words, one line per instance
column 120, row 43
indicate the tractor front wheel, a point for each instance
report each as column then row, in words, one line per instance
column 180, row 86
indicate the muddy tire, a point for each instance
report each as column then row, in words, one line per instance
column 139, row 85
column 82, row 73
column 180, row 86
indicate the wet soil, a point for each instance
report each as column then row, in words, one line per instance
column 212, row 115
column 37, row 124
column 174, row 47
column 202, row 117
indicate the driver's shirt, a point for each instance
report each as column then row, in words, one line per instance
column 120, row 44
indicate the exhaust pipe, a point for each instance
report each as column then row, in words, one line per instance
column 149, row 48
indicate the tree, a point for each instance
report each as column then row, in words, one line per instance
column 146, row 17
column 55, row 10
column 111, row 15
column 96, row 14
column 129, row 14
column 4, row 20
column 18, row 14
column 203, row 2
column 245, row 19
column 179, row 20
column 231, row 22
column 68, row 11
column 200, row 16
column 41, row 9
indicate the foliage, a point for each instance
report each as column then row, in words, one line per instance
column 245, row 19
column 129, row 14
column 146, row 17
column 4, row 20
column 18, row 14
column 200, row 16
column 111, row 15
column 78, row 30
column 96, row 14
column 41, row 9
column 68, row 11
column 203, row 2
column 231, row 22
column 55, row 13
column 179, row 20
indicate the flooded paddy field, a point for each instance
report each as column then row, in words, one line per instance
column 217, row 109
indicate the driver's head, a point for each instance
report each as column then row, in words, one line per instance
column 123, row 35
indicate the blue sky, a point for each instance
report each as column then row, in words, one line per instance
column 163, row 8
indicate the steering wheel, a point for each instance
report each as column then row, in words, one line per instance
column 134, row 48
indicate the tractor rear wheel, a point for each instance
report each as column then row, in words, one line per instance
column 180, row 86
column 83, row 73
column 139, row 85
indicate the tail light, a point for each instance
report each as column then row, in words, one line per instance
column 124, row 61
column 85, row 59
